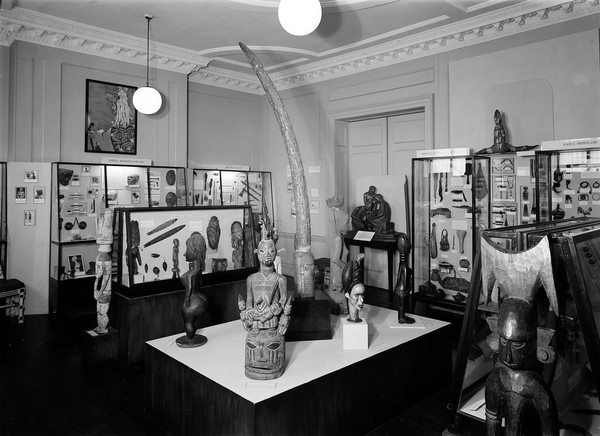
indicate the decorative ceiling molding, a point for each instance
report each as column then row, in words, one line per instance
column 24, row 25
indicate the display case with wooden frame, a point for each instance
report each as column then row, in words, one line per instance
column 152, row 246
column 451, row 205
column 575, row 248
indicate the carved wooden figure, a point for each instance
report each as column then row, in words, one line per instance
column 194, row 304
column 515, row 390
column 404, row 282
column 103, row 273
column 354, row 289
column 265, row 315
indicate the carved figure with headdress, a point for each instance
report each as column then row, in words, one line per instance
column 515, row 389
column 265, row 314
column 354, row 289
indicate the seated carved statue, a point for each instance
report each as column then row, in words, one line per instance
column 374, row 215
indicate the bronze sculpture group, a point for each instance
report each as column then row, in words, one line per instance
column 374, row 215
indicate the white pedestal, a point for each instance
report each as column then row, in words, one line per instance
column 355, row 335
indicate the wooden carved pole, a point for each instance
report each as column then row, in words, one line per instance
column 303, row 257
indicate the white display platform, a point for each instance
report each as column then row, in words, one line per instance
column 222, row 358
column 204, row 390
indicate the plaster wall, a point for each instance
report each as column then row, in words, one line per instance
column 49, row 115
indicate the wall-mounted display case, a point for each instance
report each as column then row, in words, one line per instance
column 568, row 183
column 213, row 187
column 152, row 246
column 205, row 187
column 575, row 247
column 451, row 204
column 78, row 193
column 167, row 186
column 127, row 186
column 513, row 189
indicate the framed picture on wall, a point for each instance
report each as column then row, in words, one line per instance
column 29, row 218
column 111, row 119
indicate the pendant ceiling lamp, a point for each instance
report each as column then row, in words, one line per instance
column 146, row 99
column 299, row 17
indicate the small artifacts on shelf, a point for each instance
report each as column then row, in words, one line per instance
column 451, row 198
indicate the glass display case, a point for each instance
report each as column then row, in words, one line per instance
column 205, row 187
column 234, row 188
column 451, row 204
column 574, row 246
column 152, row 246
column 127, row 186
column 168, row 186
column 568, row 183
column 78, row 193
column 513, row 189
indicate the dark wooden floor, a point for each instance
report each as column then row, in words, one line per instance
column 48, row 386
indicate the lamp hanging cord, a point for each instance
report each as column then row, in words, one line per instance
column 148, row 18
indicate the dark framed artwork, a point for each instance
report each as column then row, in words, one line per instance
column 111, row 119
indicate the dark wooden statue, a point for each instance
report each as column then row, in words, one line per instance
column 374, row 215
column 515, row 390
column 354, row 289
column 500, row 143
column 194, row 304
column 404, row 282
column 265, row 315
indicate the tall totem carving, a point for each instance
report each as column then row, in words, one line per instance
column 303, row 257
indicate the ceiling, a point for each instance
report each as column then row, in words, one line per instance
column 200, row 37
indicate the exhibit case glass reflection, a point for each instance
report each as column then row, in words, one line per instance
column 564, row 338
column 153, row 243
column 451, row 204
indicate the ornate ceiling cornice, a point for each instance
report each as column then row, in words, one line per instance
column 24, row 25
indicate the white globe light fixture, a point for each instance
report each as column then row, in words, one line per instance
column 146, row 99
column 299, row 17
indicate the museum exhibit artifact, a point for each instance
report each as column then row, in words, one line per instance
column 404, row 281
column 447, row 220
column 374, row 215
column 354, row 289
column 103, row 272
column 265, row 315
column 194, row 304
column 567, row 338
column 303, row 257
column 338, row 225
column 159, row 260
column 501, row 144
column 515, row 389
